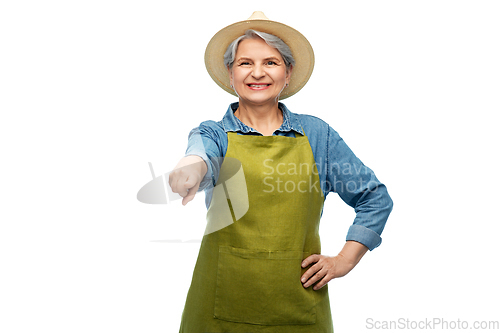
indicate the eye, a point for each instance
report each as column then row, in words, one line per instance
column 244, row 63
column 271, row 63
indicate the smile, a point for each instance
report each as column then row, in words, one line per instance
column 258, row 86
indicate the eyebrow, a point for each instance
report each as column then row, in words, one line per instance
column 268, row 58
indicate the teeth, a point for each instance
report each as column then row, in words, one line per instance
column 258, row 85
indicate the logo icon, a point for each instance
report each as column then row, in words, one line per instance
column 229, row 201
column 157, row 191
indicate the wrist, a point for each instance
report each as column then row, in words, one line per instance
column 195, row 161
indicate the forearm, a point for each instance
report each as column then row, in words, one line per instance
column 353, row 252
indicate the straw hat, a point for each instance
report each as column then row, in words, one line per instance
column 301, row 50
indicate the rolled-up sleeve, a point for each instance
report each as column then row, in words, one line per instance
column 357, row 185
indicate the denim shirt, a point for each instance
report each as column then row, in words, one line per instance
column 339, row 169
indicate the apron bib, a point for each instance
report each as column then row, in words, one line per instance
column 259, row 229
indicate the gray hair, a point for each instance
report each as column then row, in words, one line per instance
column 271, row 40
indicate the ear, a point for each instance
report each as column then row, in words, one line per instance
column 230, row 73
column 289, row 74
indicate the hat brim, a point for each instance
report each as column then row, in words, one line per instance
column 301, row 50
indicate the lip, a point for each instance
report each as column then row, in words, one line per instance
column 261, row 86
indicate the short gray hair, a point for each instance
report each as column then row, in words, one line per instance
column 271, row 40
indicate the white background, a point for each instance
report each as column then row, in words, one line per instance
column 91, row 91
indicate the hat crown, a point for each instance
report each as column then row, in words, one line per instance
column 258, row 15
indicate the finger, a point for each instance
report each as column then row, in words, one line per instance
column 190, row 182
column 315, row 278
column 191, row 194
column 309, row 260
column 311, row 272
column 180, row 187
column 173, row 180
column 321, row 282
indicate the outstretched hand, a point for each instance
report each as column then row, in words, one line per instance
column 185, row 179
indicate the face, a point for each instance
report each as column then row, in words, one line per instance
column 259, row 73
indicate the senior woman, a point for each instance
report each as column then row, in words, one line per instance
column 260, row 267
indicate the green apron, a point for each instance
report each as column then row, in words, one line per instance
column 247, row 276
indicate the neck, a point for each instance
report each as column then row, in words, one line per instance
column 264, row 118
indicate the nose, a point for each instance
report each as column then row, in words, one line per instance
column 258, row 72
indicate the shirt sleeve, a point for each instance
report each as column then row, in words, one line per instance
column 357, row 185
column 204, row 141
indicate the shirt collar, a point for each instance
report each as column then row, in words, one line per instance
column 232, row 124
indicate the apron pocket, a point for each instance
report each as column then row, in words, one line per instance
column 263, row 287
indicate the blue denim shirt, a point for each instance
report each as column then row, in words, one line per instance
column 339, row 169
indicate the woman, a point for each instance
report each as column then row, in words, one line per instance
column 260, row 267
